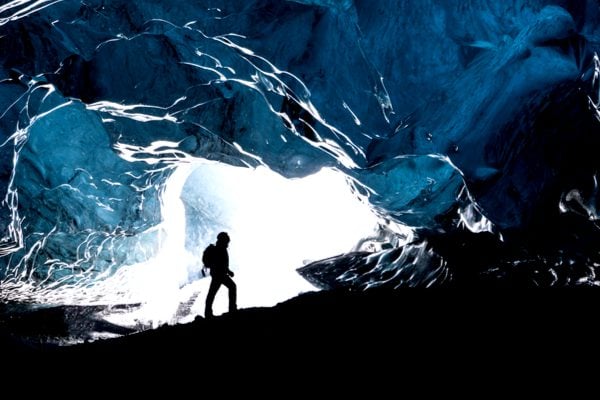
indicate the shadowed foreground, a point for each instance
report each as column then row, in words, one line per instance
column 331, row 326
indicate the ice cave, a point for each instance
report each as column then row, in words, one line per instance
column 346, row 144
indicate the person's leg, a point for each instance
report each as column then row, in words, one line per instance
column 210, row 297
column 230, row 284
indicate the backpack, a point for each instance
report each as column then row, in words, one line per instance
column 208, row 256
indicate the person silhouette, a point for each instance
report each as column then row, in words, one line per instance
column 216, row 258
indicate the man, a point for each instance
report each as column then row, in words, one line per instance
column 216, row 258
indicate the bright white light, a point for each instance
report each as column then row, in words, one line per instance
column 276, row 225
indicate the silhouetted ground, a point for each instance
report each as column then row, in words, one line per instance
column 408, row 327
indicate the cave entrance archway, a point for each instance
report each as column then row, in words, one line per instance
column 276, row 225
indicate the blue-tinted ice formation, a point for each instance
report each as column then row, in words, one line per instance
column 443, row 115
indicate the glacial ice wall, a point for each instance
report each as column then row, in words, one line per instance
column 439, row 112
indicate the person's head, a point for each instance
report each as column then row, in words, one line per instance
column 223, row 239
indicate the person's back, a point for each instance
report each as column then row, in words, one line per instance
column 217, row 258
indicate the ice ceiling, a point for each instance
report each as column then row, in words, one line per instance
column 133, row 132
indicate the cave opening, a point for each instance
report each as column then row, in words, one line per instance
column 276, row 225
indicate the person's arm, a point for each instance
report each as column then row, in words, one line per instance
column 229, row 271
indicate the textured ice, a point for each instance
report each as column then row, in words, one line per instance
column 442, row 114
